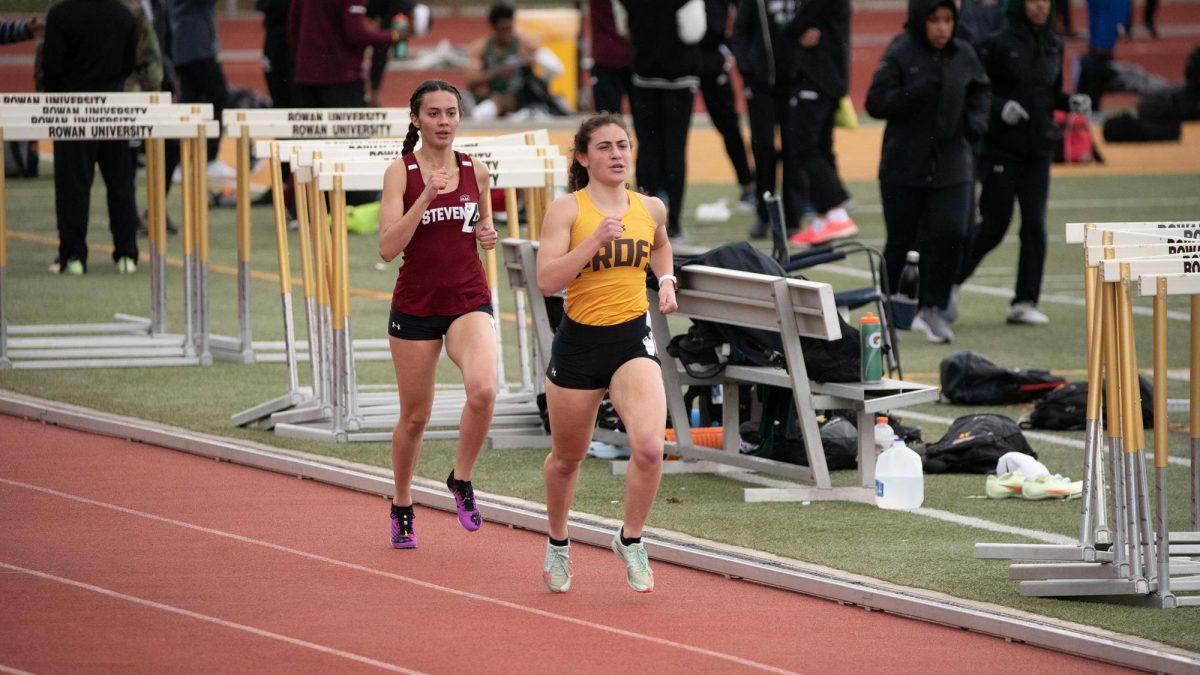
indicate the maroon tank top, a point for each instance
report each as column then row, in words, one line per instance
column 441, row 274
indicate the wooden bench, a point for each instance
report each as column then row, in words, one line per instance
column 794, row 308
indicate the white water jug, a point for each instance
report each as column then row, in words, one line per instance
column 899, row 482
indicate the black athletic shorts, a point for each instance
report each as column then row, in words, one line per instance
column 409, row 327
column 585, row 357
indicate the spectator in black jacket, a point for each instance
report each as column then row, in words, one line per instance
column 77, row 57
column 666, row 72
column 716, row 88
column 932, row 90
column 1024, row 63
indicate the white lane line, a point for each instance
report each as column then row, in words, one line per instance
column 1036, row 435
column 970, row 521
column 1007, row 293
column 13, row 671
column 398, row 577
column 210, row 619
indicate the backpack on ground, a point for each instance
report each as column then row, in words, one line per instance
column 1130, row 128
column 970, row 379
column 974, row 443
column 1078, row 146
column 1065, row 408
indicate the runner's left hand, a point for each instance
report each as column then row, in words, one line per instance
column 486, row 234
column 666, row 298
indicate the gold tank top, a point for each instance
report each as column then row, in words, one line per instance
column 611, row 287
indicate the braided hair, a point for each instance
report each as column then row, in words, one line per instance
column 414, row 109
column 577, row 175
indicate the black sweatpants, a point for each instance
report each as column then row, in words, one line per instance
column 768, row 110
column 199, row 82
column 74, row 169
column 609, row 86
column 1029, row 183
column 932, row 221
column 661, row 118
column 717, row 90
column 812, row 114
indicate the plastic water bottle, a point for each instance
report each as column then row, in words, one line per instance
column 899, row 482
column 904, row 298
column 870, row 338
column 400, row 24
column 883, row 434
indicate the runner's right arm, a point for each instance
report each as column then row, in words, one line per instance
column 557, row 266
column 396, row 227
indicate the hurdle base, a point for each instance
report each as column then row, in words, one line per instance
column 1047, row 552
column 261, row 413
column 225, row 348
column 1050, row 571
column 1061, row 588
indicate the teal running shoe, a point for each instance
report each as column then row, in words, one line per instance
column 556, row 570
column 637, row 564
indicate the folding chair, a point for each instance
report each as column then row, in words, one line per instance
column 877, row 293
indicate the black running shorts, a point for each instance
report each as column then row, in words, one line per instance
column 409, row 327
column 585, row 357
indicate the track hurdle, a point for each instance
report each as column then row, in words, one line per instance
column 251, row 125
column 310, row 201
column 334, row 395
column 1144, row 562
column 130, row 340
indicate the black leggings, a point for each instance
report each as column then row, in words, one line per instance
column 661, row 118
column 812, row 114
column 199, row 82
column 74, row 170
column 768, row 110
column 717, row 91
column 932, row 221
column 1029, row 183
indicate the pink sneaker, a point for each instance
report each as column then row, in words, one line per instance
column 824, row 231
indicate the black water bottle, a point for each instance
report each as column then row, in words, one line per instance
column 909, row 285
column 904, row 299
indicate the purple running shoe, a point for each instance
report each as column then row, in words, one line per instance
column 403, row 535
column 464, row 501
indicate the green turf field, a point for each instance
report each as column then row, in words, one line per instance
column 899, row 547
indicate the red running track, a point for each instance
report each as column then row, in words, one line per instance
column 117, row 555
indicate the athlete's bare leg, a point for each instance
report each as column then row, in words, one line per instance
column 471, row 345
column 638, row 396
column 572, row 419
column 415, row 362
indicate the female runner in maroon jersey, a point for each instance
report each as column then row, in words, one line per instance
column 435, row 208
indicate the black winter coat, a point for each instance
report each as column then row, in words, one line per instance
column 1024, row 65
column 767, row 45
column 935, row 103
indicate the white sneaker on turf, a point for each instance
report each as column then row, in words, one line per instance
column 1028, row 314
column 932, row 324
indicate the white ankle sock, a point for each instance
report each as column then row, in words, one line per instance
column 838, row 215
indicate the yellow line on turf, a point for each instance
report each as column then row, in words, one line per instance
column 228, row 270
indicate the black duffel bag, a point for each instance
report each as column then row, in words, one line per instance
column 970, row 379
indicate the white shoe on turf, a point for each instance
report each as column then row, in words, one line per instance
column 1028, row 314
column 932, row 325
